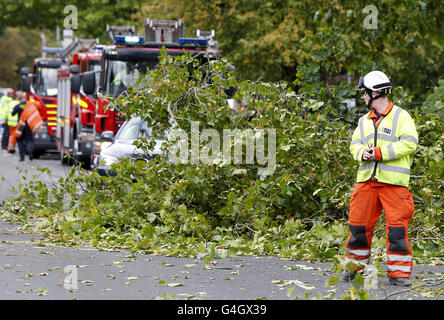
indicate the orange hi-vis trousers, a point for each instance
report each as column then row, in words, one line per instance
column 12, row 139
column 367, row 201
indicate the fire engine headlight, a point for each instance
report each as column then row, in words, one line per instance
column 109, row 160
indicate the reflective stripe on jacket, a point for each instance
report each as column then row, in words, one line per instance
column 11, row 120
column 397, row 138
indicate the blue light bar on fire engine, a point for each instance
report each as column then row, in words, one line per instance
column 193, row 41
column 128, row 39
column 52, row 50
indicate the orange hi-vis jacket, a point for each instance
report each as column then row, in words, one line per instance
column 30, row 116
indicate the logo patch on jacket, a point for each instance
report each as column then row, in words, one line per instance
column 386, row 130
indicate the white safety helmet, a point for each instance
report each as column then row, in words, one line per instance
column 375, row 81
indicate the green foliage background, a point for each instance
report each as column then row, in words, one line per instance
column 321, row 41
column 274, row 40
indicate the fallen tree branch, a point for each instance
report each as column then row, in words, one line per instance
column 412, row 289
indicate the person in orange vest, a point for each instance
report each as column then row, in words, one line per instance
column 30, row 122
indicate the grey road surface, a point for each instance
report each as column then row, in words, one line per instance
column 31, row 270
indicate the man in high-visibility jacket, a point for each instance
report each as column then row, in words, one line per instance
column 4, row 107
column 25, row 142
column 12, row 122
column 383, row 144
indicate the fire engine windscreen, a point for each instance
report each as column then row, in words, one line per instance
column 122, row 74
column 95, row 66
column 46, row 82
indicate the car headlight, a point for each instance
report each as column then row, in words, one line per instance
column 105, row 144
column 109, row 160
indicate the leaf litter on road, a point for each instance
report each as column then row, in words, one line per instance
column 284, row 283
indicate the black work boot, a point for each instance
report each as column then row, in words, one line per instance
column 403, row 282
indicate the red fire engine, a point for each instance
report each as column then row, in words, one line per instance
column 130, row 56
column 76, row 111
column 41, row 86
